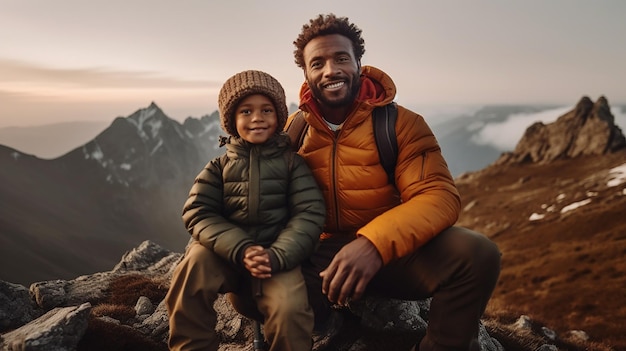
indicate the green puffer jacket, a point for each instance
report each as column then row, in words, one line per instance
column 281, row 209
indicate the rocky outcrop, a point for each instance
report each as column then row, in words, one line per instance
column 78, row 314
column 588, row 129
column 60, row 329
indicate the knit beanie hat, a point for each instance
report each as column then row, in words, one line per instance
column 248, row 83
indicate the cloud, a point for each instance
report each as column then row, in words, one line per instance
column 23, row 76
column 620, row 117
column 506, row 134
column 33, row 94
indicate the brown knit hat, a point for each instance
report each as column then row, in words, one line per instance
column 247, row 83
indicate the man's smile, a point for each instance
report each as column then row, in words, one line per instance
column 334, row 86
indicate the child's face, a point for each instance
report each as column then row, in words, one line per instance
column 255, row 118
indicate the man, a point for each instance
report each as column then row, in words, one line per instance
column 391, row 239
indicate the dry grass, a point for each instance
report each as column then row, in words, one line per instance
column 119, row 303
column 128, row 288
column 503, row 326
column 566, row 270
column 104, row 336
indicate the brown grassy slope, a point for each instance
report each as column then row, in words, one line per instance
column 567, row 270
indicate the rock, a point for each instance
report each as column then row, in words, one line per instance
column 548, row 333
column 60, row 329
column 391, row 314
column 17, row 308
column 144, row 306
column 577, row 335
column 588, row 129
column 148, row 258
column 156, row 326
column 547, row 347
column 369, row 324
column 523, row 323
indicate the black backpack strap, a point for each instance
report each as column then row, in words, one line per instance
column 384, row 119
column 297, row 130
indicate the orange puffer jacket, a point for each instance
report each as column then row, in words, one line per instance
column 359, row 199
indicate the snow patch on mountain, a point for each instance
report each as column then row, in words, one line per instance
column 618, row 176
column 145, row 115
column 156, row 147
column 575, row 205
column 96, row 154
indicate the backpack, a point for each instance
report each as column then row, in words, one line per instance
column 384, row 122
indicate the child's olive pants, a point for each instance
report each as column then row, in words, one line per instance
column 202, row 275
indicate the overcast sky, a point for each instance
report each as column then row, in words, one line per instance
column 67, row 60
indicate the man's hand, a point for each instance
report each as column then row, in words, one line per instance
column 257, row 262
column 352, row 268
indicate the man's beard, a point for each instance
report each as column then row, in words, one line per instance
column 355, row 84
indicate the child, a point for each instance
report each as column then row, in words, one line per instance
column 255, row 213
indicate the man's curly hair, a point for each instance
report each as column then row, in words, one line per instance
column 326, row 25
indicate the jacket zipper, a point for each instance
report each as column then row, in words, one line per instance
column 333, row 172
column 254, row 189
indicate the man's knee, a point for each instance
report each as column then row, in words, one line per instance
column 477, row 253
column 474, row 246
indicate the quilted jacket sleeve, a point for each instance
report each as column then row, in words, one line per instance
column 430, row 200
column 203, row 214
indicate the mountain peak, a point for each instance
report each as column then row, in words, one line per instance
column 588, row 129
column 150, row 144
column 602, row 101
column 583, row 107
column 146, row 113
column 603, row 110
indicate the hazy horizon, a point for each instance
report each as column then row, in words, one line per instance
column 53, row 140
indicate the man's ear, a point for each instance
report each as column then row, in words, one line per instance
column 358, row 66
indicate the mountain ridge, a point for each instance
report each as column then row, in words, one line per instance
column 97, row 200
column 52, row 140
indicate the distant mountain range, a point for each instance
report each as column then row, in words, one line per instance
column 102, row 198
column 456, row 132
column 51, row 140
column 128, row 183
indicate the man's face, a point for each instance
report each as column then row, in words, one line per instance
column 331, row 71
